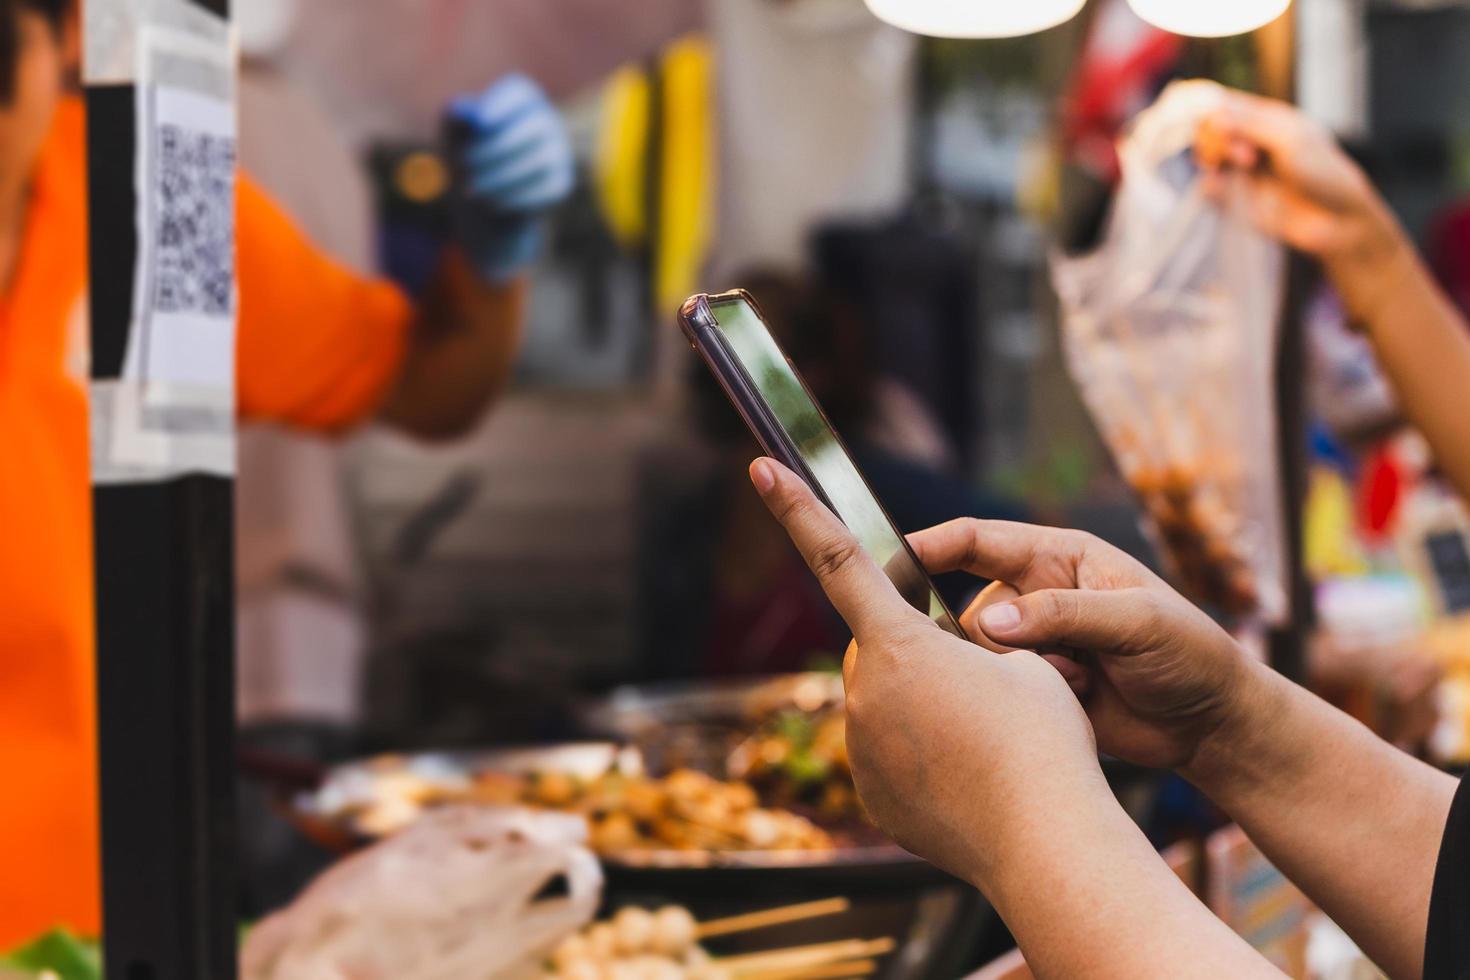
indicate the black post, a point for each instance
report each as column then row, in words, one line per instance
column 165, row 622
column 165, row 631
column 1287, row 644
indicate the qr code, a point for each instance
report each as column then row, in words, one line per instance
column 194, row 270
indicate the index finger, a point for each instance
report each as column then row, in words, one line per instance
column 861, row 593
column 1027, row 556
column 1268, row 124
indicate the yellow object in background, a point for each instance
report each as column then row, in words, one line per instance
column 1330, row 548
column 1039, row 189
column 657, row 169
column 620, row 167
column 1448, row 641
column 686, row 206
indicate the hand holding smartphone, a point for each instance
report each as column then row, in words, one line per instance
column 731, row 336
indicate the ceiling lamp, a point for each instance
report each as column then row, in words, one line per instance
column 976, row 18
column 1209, row 18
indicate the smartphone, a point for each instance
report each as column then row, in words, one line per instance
column 731, row 336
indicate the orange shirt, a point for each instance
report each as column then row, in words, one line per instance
column 317, row 347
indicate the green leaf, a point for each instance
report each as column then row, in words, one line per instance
column 807, row 769
column 61, row 952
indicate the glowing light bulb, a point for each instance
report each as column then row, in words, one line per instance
column 1209, row 18
column 974, row 18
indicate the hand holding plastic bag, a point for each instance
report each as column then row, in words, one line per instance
column 1170, row 333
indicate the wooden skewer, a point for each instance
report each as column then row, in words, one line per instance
column 832, row 971
column 771, row 917
column 805, row 957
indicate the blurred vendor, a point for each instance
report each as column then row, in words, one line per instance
column 362, row 351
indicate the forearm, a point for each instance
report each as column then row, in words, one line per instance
column 1353, row 821
column 462, row 353
column 1085, row 895
column 1421, row 339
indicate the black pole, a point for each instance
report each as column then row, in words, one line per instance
column 165, row 623
column 165, row 638
column 1287, row 644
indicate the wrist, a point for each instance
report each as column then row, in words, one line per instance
column 1233, row 752
column 1069, row 865
column 1050, row 823
column 1368, row 267
column 1091, row 896
column 504, row 247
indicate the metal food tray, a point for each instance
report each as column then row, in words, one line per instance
column 583, row 759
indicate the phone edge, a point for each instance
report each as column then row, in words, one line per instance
column 698, row 323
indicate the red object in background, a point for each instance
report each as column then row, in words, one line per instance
column 1123, row 63
column 1449, row 253
column 1381, row 488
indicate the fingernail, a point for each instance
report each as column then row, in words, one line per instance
column 1001, row 617
column 763, row 476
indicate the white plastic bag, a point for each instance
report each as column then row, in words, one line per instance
column 453, row 897
column 1170, row 333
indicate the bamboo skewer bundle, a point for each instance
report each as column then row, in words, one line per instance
column 771, row 917
column 801, row 960
column 666, row 944
column 834, row 971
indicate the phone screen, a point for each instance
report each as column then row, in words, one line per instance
column 767, row 369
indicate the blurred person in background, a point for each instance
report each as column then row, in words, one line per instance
column 716, row 575
column 362, row 352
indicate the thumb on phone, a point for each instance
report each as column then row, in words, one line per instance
column 1116, row 622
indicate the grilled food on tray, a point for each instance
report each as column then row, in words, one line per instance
column 685, row 810
column 799, row 759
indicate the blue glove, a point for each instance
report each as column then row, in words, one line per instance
column 514, row 162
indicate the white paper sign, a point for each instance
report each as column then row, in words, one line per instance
column 173, row 409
